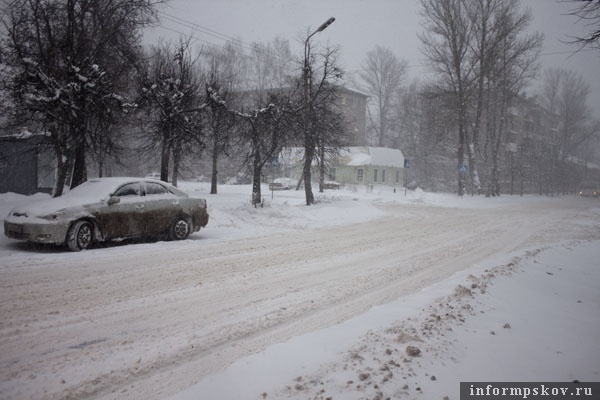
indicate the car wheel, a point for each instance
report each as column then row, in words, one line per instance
column 80, row 236
column 180, row 229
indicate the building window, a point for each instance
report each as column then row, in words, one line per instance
column 383, row 175
column 397, row 176
column 332, row 174
column 359, row 175
column 375, row 173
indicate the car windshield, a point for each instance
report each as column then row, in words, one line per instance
column 92, row 190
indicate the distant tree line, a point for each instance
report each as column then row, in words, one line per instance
column 484, row 58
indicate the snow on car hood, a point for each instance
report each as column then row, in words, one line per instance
column 73, row 201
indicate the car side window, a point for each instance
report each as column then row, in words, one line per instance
column 131, row 189
column 155, row 188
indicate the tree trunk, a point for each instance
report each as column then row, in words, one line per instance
column 256, row 172
column 495, row 174
column 61, row 163
column 215, row 159
column 79, row 166
column 100, row 166
column 475, row 182
column 461, row 148
column 309, row 153
column 164, row 158
column 61, row 175
column 461, row 175
column 322, row 166
column 176, row 160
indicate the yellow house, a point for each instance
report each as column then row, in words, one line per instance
column 362, row 165
column 368, row 166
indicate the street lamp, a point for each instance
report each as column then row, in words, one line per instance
column 321, row 28
column 309, row 141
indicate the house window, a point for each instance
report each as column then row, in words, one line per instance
column 332, row 174
column 359, row 175
column 375, row 175
column 397, row 176
column 383, row 175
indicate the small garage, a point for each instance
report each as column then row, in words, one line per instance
column 26, row 163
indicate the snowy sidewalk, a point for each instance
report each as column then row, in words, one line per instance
column 532, row 318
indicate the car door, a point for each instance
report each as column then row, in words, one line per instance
column 161, row 208
column 124, row 218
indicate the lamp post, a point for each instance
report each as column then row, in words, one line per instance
column 309, row 145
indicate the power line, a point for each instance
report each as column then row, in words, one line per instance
column 192, row 37
column 197, row 28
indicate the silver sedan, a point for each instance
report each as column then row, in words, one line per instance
column 109, row 209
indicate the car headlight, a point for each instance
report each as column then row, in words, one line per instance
column 52, row 217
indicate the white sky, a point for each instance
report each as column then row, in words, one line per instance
column 361, row 25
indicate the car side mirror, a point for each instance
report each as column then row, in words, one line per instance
column 113, row 200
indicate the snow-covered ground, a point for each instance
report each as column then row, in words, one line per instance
column 296, row 302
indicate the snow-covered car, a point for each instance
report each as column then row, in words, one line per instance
column 153, row 175
column 331, row 185
column 106, row 209
column 282, row 184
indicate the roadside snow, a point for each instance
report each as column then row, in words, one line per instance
column 503, row 289
column 533, row 319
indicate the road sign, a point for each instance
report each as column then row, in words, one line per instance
column 406, row 163
column 463, row 168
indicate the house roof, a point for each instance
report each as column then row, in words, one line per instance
column 381, row 156
column 352, row 156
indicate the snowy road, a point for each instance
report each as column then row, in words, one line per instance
column 149, row 320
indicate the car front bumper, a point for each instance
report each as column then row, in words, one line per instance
column 42, row 232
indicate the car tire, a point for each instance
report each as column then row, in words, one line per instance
column 180, row 228
column 80, row 236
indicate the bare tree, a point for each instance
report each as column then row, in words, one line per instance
column 266, row 132
column 224, row 71
column 446, row 41
column 588, row 13
column 408, row 117
column 169, row 93
column 267, row 106
column 484, row 58
column 319, row 90
column 565, row 94
column 270, row 66
column 73, row 57
column 508, row 60
column 383, row 75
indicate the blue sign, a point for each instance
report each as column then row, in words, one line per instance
column 463, row 168
column 406, row 163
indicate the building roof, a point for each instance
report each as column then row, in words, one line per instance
column 352, row 156
column 381, row 156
